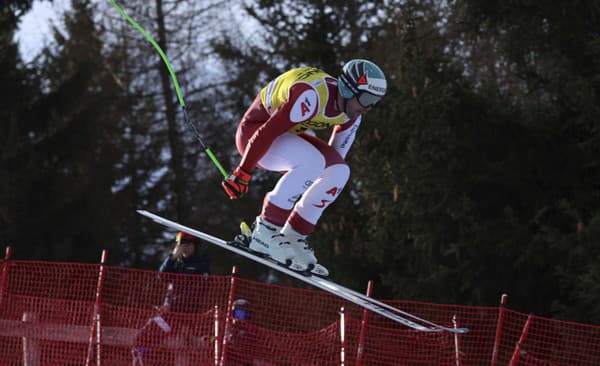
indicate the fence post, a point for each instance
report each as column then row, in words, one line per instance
column 457, row 354
column 96, row 328
column 342, row 337
column 216, row 335
column 228, row 311
column 31, row 345
column 4, row 278
column 498, row 337
column 363, row 328
column 517, row 352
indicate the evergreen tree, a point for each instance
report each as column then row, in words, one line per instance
column 18, row 89
column 547, row 69
column 62, row 209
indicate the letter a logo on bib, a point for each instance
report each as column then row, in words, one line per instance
column 305, row 107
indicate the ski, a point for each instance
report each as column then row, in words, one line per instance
column 345, row 293
column 245, row 240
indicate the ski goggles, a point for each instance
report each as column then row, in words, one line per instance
column 367, row 100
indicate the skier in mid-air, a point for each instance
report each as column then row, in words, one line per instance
column 276, row 134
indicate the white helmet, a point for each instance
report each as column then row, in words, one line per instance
column 364, row 80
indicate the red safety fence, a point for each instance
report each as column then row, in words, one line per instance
column 90, row 314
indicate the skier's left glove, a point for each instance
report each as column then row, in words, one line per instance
column 237, row 184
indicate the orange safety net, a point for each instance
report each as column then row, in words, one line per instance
column 88, row 314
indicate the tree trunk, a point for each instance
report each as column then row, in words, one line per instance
column 174, row 140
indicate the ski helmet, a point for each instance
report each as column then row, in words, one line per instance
column 181, row 236
column 364, row 80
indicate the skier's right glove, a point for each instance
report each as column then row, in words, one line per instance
column 237, row 184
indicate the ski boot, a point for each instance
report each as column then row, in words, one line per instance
column 266, row 240
column 304, row 257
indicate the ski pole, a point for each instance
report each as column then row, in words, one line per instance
column 177, row 90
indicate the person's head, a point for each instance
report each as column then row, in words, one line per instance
column 187, row 243
column 361, row 85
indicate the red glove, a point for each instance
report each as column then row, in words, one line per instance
column 237, row 184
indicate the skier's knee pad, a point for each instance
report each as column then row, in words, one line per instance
column 325, row 190
column 337, row 174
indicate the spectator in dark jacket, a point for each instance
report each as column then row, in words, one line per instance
column 184, row 295
column 188, row 256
